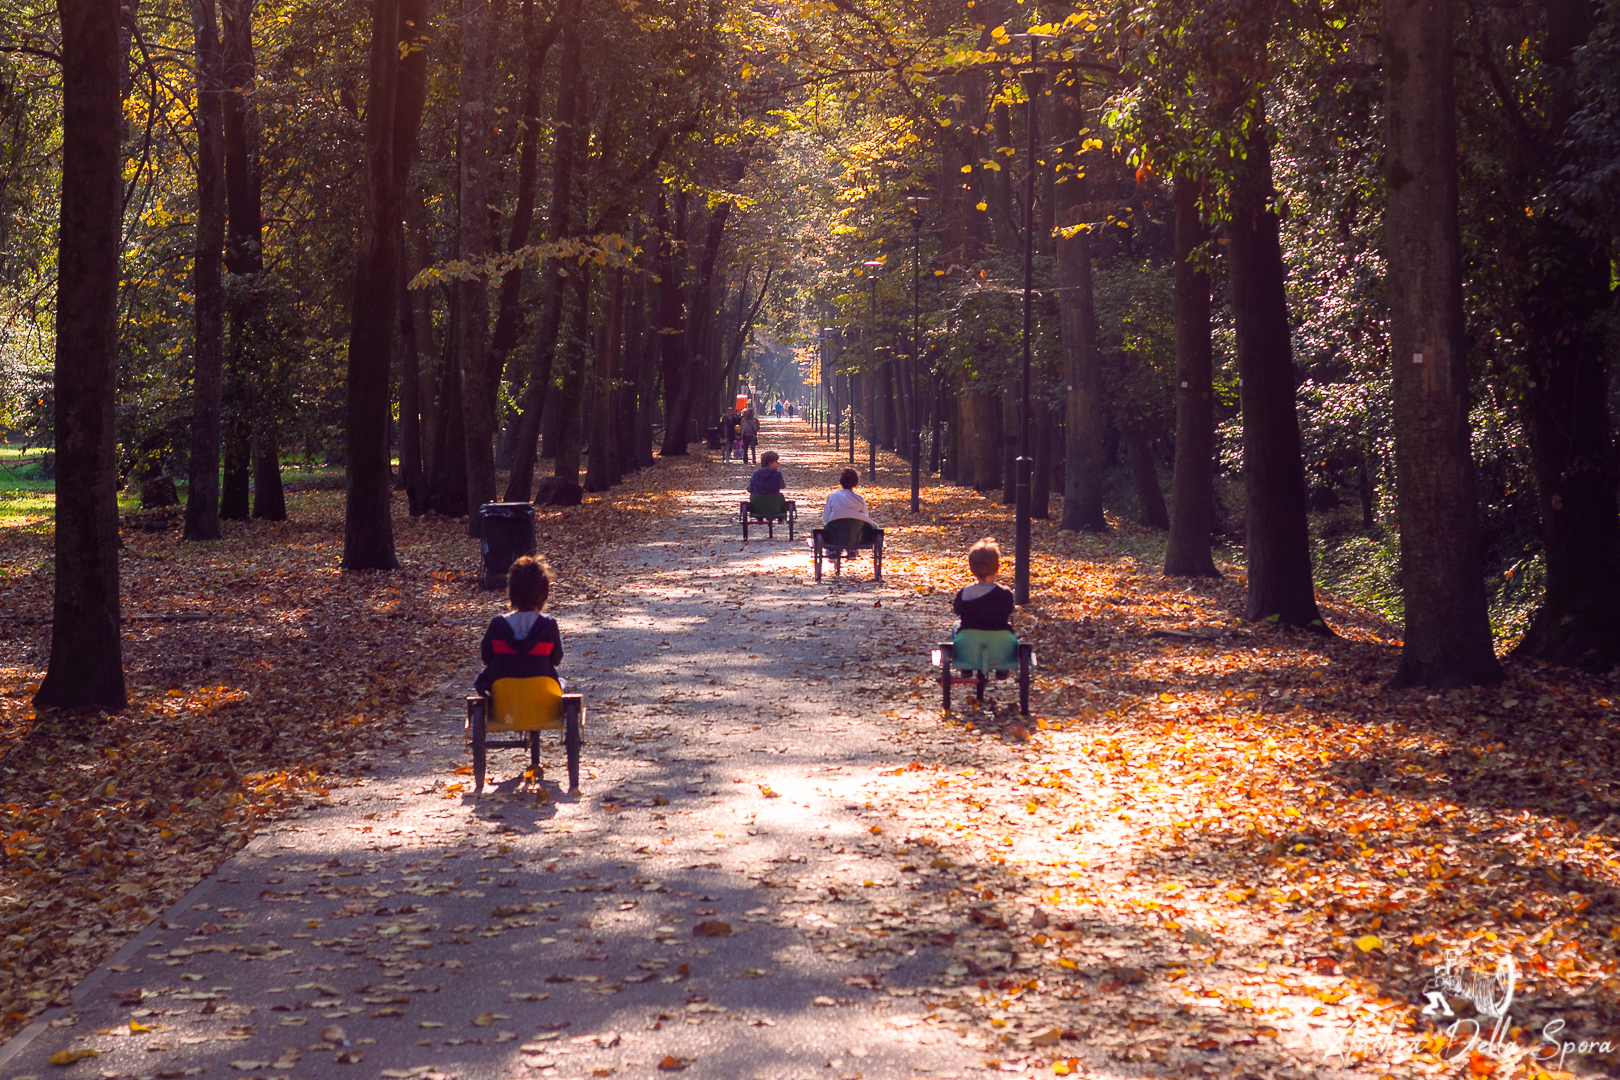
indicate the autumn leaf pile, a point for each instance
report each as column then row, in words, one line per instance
column 258, row 675
column 1203, row 787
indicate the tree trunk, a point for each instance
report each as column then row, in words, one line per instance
column 1568, row 306
column 670, row 262
column 1040, row 493
column 202, row 494
column 1578, row 622
column 1145, row 475
column 269, row 497
column 571, row 394
column 509, row 315
column 888, row 406
column 236, row 487
column 980, row 467
column 936, row 445
column 412, row 476
column 1278, row 548
column 641, row 343
column 1448, row 630
column 698, row 312
column 448, row 480
column 1011, row 408
column 1082, row 360
column 1192, row 503
column 602, row 470
column 86, row 666
column 526, row 441
column 472, row 216
column 368, row 527
column 411, row 99
column 252, row 354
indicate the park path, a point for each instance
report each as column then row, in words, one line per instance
column 720, row 900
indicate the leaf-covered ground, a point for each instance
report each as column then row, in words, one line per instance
column 258, row 675
column 1260, row 796
column 1212, row 839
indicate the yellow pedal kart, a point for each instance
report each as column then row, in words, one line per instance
column 525, row 708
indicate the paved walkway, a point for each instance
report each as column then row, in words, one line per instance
column 719, row 900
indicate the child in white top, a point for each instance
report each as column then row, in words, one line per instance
column 844, row 503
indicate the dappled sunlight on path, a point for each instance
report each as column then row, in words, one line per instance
column 1201, row 856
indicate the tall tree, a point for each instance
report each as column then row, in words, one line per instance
column 1192, row 503
column 601, row 468
column 477, row 398
column 1278, row 547
column 1567, row 313
column 1138, row 438
column 1077, row 315
column 86, row 666
column 699, row 310
column 526, row 441
column 1448, row 634
column 412, row 97
column 208, row 308
column 670, row 262
column 509, row 312
column 368, row 526
column 244, row 255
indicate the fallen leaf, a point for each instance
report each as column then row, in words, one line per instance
column 68, row 1057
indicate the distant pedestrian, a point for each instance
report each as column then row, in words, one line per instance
column 728, row 433
column 750, row 436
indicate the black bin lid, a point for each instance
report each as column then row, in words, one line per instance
column 507, row 510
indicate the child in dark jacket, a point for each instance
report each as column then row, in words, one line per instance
column 984, row 605
column 523, row 643
column 767, row 479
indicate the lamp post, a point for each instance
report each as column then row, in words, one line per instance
column 916, row 351
column 1033, row 80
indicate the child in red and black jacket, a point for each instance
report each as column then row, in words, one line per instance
column 523, row 643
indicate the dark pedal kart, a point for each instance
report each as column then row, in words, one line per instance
column 975, row 657
column 842, row 535
column 525, row 708
column 769, row 511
